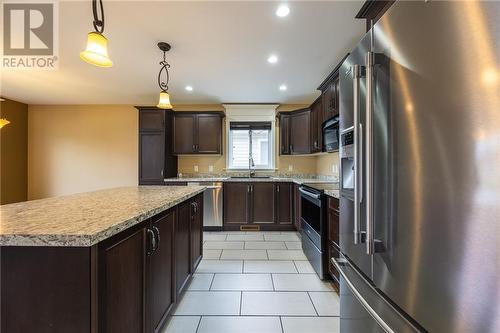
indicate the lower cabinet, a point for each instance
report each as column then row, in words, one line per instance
column 259, row 205
column 297, row 207
column 333, row 238
column 143, row 270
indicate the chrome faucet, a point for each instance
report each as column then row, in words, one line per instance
column 251, row 166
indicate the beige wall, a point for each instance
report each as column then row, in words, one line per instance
column 81, row 148
column 13, row 152
column 328, row 164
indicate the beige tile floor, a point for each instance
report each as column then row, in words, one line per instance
column 255, row 282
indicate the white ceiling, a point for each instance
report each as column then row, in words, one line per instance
column 219, row 48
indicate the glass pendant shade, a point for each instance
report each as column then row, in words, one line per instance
column 96, row 52
column 4, row 122
column 164, row 102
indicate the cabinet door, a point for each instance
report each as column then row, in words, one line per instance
column 151, row 120
column 196, row 232
column 284, row 194
column 183, row 134
column 122, row 284
column 300, row 131
column 236, row 200
column 182, row 245
column 333, row 220
column 297, row 208
column 285, row 135
column 161, row 268
column 315, row 116
column 262, row 207
column 318, row 125
column 151, row 157
column 208, row 134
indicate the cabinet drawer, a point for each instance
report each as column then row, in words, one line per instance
column 334, row 274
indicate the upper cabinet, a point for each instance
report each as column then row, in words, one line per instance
column 197, row 133
column 156, row 161
column 330, row 91
column 316, row 126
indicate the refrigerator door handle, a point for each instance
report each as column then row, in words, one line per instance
column 357, row 73
column 338, row 263
column 369, row 153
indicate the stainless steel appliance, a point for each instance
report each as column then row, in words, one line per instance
column 420, row 180
column 331, row 134
column 314, row 224
column 212, row 205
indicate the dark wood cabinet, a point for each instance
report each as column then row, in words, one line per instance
column 333, row 214
column 196, row 233
column 297, row 208
column 284, row 199
column 300, row 132
column 156, row 161
column 182, row 245
column 316, row 126
column 197, row 133
column 161, row 294
column 262, row 207
column 285, row 134
column 236, row 203
column 122, row 282
column 330, row 98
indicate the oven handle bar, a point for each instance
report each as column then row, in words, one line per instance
column 309, row 194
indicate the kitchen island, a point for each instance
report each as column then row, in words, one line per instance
column 113, row 260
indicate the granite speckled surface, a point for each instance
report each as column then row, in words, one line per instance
column 85, row 219
column 296, row 180
column 333, row 193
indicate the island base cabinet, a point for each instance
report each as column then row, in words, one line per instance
column 126, row 283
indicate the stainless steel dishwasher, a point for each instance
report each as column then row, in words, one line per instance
column 212, row 204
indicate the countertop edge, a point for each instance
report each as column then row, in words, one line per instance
column 89, row 240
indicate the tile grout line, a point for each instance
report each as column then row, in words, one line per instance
column 295, row 265
column 198, row 326
column 281, row 324
column 211, row 282
column 272, row 281
column 317, row 314
column 241, row 300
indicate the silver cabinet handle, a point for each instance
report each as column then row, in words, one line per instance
column 340, row 262
column 278, row 188
column 161, row 172
column 369, row 153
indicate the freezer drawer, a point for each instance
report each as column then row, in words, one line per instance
column 363, row 308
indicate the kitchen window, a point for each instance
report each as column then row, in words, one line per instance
column 250, row 140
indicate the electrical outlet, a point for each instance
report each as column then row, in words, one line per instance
column 334, row 168
column 195, row 168
column 290, row 167
column 210, row 168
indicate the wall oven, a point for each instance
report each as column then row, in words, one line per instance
column 331, row 134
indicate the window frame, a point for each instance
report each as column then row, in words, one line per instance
column 270, row 134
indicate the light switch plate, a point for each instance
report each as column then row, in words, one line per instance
column 195, row 168
column 210, row 168
column 290, row 167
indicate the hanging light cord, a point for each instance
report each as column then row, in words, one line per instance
column 165, row 66
column 98, row 23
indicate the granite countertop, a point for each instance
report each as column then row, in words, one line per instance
column 85, row 219
column 333, row 193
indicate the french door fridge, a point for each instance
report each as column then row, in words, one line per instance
column 420, row 171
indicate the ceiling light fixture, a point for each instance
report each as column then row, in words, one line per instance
column 272, row 59
column 282, row 11
column 283, row 87
column 164, row 102
column 189, row 88
column 96, row 52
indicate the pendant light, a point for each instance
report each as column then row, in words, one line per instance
column 164, row 102
column 4, row 122
column 96, row 52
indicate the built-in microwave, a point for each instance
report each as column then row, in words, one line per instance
column 331, row 134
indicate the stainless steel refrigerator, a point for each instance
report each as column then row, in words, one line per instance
column 420, row 171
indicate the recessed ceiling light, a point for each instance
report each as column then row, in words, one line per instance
column 272, row 59
column 283, row 87
column 189, row 88
column 282, row 11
